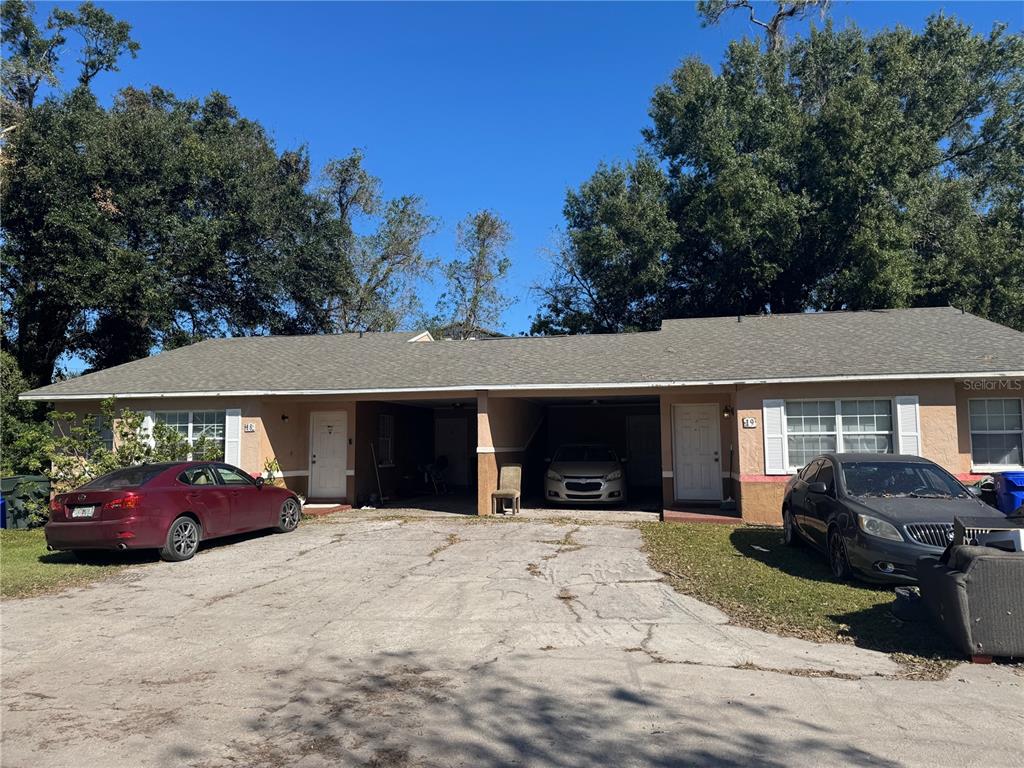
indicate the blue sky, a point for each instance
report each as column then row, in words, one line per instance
column 470, row 105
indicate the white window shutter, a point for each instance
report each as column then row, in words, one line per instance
column 233, row 436
column 773, row 419
column 148, row 420
column 908, row 425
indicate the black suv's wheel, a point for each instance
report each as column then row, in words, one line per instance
column 789, row 534
column 291, row 513
column 182, row 539
column 838, row 560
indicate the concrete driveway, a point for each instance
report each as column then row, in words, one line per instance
column 457, row 642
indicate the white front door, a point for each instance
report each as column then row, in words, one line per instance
column 696, row 443
column 450, row 441
column 328, row 454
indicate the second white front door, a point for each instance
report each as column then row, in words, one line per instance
column 328, row 455
column 696, row 444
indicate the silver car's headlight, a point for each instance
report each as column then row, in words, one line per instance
column 873, row 526
column 615, row 475
column 552, row 475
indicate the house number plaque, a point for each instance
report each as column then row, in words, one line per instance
column 249, row 427
column 749, row 422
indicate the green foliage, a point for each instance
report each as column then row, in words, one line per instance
column 22, row 435
column 32, row 59
column 376, row 274
column 843, row 171
column 104, row 38
column 614, row 263
column 154, row 223
column 473, row 298
column 272, row 471
column 77, row 452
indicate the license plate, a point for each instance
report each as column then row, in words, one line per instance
column 83, row 511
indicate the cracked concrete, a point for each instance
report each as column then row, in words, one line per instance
column 448, row 642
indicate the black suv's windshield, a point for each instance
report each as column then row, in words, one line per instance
column 892, row 478
column 585, row 453
column 129, row 477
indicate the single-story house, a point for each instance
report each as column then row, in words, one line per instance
column 704, row 409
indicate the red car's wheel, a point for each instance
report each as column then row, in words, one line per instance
column 291, row 512
column 182, row 539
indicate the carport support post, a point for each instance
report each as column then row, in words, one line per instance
column 486, row 460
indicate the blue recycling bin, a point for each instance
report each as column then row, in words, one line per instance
column 1009, row 491
column 3, row 512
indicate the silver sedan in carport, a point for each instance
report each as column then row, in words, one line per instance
column 585, row 474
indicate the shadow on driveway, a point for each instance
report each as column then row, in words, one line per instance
column 397, row 710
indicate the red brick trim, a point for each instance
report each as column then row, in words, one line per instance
column 971, row 477
column 765, row 478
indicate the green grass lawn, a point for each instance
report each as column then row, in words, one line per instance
column 27, row 569
column 760, row 582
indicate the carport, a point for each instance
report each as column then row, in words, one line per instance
column 415, row 448
column 529, row 430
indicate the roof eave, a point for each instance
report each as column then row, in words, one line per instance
column 40, row 395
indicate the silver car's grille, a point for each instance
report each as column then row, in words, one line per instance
column 931, row 534
column 584, row 485
column 938, row 534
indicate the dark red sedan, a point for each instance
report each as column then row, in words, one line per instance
column 170, row 507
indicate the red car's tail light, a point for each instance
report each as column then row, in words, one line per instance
column 128, row 501
column 56, row 507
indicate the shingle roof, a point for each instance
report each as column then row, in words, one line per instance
column 883, row 343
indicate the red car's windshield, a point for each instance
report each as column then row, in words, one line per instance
column 129, row 477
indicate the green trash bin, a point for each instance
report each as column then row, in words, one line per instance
column 22, row 493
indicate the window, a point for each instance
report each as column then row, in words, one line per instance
column 231, row 476
column 997, row 432
column 807, row 473
column 386, row 440
column 209, row 425
column 103, row 428
column 196, row 425
column 129, row 477
column 827, row 475
column 197, row 476
column 867, row 426
column 810, row 429
column 844, row 426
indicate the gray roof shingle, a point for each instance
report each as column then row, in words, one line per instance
column 881, row 343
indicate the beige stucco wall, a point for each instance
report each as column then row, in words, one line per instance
column 513, row 422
